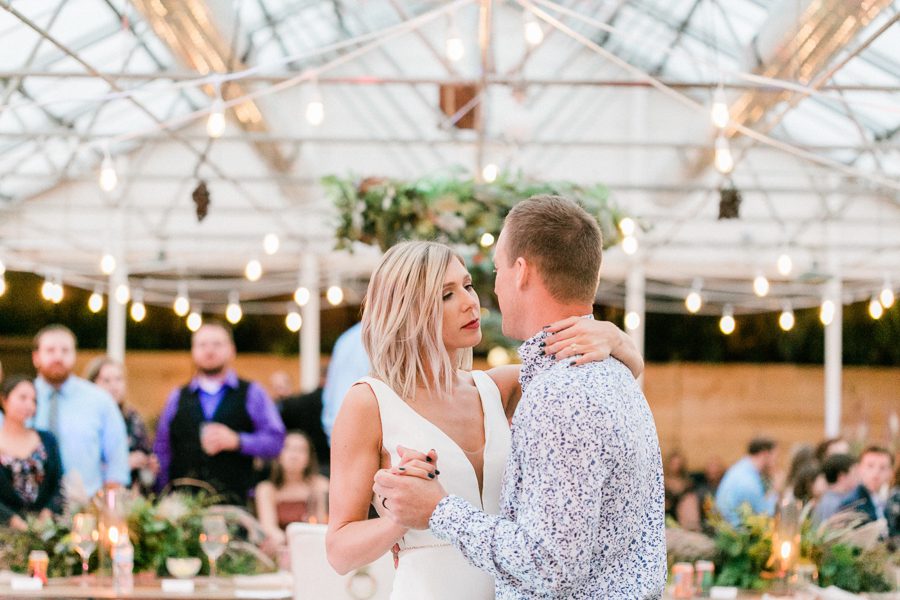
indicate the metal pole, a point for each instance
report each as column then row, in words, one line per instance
column 833, row 359
column 310, row 340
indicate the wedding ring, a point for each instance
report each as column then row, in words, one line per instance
column 384, row 503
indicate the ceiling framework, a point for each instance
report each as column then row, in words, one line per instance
column 618, row 94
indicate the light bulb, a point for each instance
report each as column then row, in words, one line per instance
column 724, row 161
column 490, row 172
column 761, row 285
column 334, row 295
column 727, row 323
column 632, row 321
column 2, row 285
column 626, row 226
column 2, row 268
column 233, row 312
column 47, row 290
column 107, row 264
column 194, row 321
column 629, row 244
column 785, row 264
column 786, row 319
column 215, row 123
column 57, row 296
column 497, row 357
column 534, row 35
column 271, row 243
column 182, row 305
column 95, row 302
column 315, row 108
column 108, row 178
column 875, row 308
column 123, row 294
column 253, row 270
column 826, row 312
column 293, row 321
column 487, row 240
column 886, row 296
column 301, row 296
column 138, row 311
column 719, row 112
column 454, row 47
column 693, row 302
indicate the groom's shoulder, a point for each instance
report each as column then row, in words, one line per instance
column 584, row 382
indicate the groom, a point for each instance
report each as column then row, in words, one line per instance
column 581, row 511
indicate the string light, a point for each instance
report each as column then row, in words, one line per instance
column 632, row 321
column 107, row 264
column 453, row 45
column 534, row 34
column 233, row 312
column 786, row 319
column 2, row 268
column 487, row 240
column 724, row 161
column 293, row 321
column 194, row 321
column 95, row 302
column 627, row 226
column 785, row 264
column 875, row 308
column 138, row 310
column 719, row 112
column 334, row 295
column 123, row 294
column 629, row 244
column 301, row 296
column 182, row 304
column 490, row 172
column 887, row 295
column 2, row 285
column 694, row 301
column 108, row 178
column 253, row 271
column 761, row 285
column 826, row 312
column 57, row 293
column 215, row 123
column 271, row 243
column 48, row 290
column 315, row 108
column 497, row 357
column 727, row 322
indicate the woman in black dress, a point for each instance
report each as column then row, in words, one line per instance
column 30, row 465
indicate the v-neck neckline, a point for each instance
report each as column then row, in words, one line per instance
column 484, row 423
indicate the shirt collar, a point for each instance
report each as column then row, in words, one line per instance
column 43, row 384
column 231, row 381
column 533, row 358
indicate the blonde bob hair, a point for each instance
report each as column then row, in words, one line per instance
column 402, row 321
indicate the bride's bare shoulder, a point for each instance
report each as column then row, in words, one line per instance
column 359, row 413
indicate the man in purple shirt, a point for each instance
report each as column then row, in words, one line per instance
column 212, row 428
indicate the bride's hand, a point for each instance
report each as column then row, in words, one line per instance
column 582, row 341
column 417, row 464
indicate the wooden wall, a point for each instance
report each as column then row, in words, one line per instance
column 705, row 410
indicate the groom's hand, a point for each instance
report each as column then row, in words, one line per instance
column 409, row 500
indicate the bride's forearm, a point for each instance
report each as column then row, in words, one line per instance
column 626, row 352
column 356, row 544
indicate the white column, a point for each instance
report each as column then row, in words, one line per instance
column 115, row 314
column 635, row 305
column 310, row 340
column 833, row 359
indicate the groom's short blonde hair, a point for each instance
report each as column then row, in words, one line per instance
column 402, row 324
column 562, row 240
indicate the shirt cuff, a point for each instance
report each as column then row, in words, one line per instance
column 448, row 516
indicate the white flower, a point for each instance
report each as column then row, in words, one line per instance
column 172, row 508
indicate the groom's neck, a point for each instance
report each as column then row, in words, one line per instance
column 550, row 311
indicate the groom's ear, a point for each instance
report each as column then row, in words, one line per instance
column 523, row 272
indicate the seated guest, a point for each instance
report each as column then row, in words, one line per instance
column 893, row 511
column 746, row 482
column 294, row 492
column 831, row 446
column 842, row 478
column 109, row 374
column 808, row 483
column 682, row 500
column 30, row 466
column 869, row 498
column 212, row 428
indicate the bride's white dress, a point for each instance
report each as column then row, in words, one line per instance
column 430, row 569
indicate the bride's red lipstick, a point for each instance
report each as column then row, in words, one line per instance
column 473, row 324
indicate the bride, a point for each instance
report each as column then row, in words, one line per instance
column 420, row 322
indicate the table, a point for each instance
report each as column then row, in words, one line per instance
column 71, row 588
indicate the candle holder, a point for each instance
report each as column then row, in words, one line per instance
column 786, row 545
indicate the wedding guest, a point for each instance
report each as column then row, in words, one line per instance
column 842, row 478
column 303, row 412
column 295, row 491
column 281, row 385
column 349, row 362
column 809, row 483
column 831, row 446
column 212, row 428
column 109, row 374
column 682, row 499
column 87, row 423
column 30, row 466
column 893, row 511
column 746, row 482
column 876, row 465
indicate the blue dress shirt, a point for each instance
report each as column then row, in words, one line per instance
column 349, row 362
column 743, row 484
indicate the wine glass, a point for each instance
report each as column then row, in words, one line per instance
column 84, row 537
column 213, row 540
